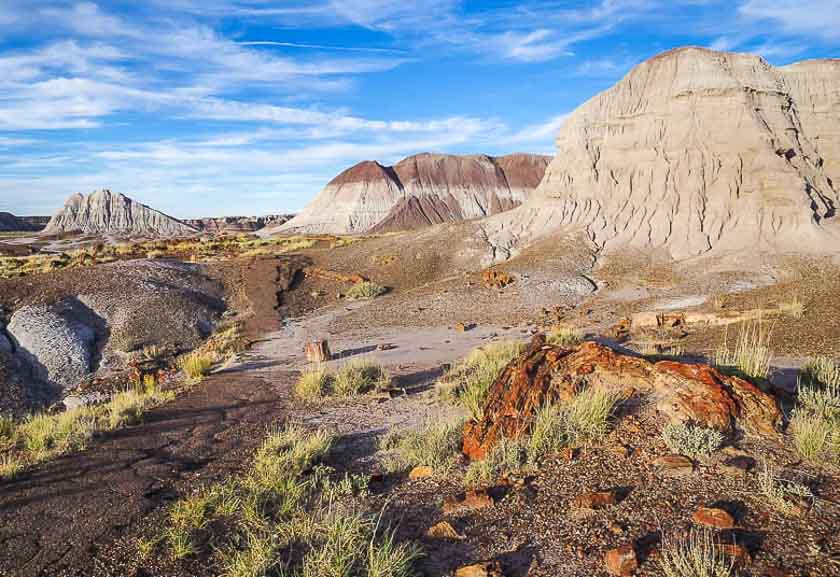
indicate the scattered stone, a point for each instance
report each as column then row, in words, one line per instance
column 483, row 569
column 713, row 517
column 317, row 351
column 386, row 347
column 616, row 528
column 621, row 560
column 443, row 530
column 595, row 500
column 738, row 466
column 738, row 553
column 464, row 327
column 674, row 465
column 469, row 501
column 496, row 278
column 569, row 454
column 421, row 472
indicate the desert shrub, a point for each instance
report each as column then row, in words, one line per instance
column 751, row 352
column 313, row 384
column 469, row 382
column 564, row 336
column 659, row 349
column 152, row 352
column 694, row 555
column 196, row 365
column 436, row 446
column 506, row 458
column 583, row 419
column 794, row 307
column 365, row 290
column 8, row 431
column 778, row 491
column 361, row 376
column 692, row 440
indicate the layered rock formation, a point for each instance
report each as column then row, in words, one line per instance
column 418, row 191
column 695, row 150
column 234, row 224
column 106, row 212
column 687, row 393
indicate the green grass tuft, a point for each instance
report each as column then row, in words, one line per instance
column 437, row 446
column 360, row 376
column 365, row 290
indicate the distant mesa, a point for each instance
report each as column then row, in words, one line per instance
column 694, row 151
column 12, row 223
column 237, row 224
column 106, row 212
column 418, row 191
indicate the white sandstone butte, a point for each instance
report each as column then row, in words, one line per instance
column 106, row 212
column 695, row 150
column 418, row 191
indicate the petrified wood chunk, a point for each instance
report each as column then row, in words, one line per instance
column 317, row 351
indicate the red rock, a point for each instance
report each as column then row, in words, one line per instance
column 421, row 472
column 621, row 560
column 483, row 569
column 496, row 278
column 470, row 501
column 443, row 530
column 713, row 517
column 595, row 500
column 674, row 465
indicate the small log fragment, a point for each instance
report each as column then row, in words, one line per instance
column 317, row 351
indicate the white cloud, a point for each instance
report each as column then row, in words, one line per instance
column 798, row 17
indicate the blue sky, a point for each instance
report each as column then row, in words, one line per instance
column 224, row 107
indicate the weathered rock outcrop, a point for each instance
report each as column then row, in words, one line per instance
column 106, row 212
column 695, row 150
column 683, row 392
column 234, row 224
column 418, row 191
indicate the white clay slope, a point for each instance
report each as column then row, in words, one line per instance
column 106, row 212
column 694, row 150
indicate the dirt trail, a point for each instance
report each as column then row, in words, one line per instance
column 57, row 518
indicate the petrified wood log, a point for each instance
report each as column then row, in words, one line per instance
column 317, row 351
column 695, row 393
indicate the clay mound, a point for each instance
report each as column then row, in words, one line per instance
column 12, row 223
column 418, row 191
column 683, row 392
column 106, row 212
column 695, row 150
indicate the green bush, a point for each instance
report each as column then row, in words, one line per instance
column 692, row 440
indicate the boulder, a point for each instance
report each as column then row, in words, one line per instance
column 469, row 501
column 696, row 393
column 483, row 569
column 713, row 517
column 621, row 560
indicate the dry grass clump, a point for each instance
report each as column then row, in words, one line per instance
column 355, row 377
column 196, row 365
column 469, row 381
column 44, row 436
column 564, row 336
column 778, row 491
column 659, row 349
column 694, row 555
column 286, row 516
column 435, row 445
column 582, row 420
column 815, row 424
column 692, row 440
column 313, row 384
column 751, row 352
column 365, row 290
column 360, row 376
column 793, row 308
